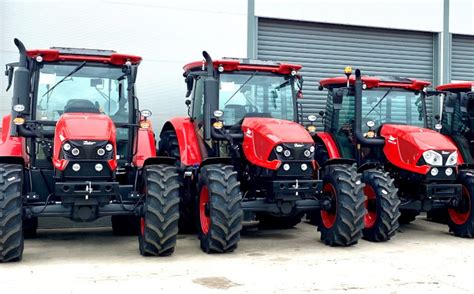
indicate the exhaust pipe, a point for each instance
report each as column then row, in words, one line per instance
column 211, row 95
column 358, row 115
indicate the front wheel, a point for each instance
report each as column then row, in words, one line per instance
column 343, row 222
column 159, row 222
column 219, row 208
column 382, row 204
column 11, row 223
column 461, row 218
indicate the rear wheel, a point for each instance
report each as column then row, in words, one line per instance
column 125, row 225
column 268, row 221
column 382, row 205
column 342, row 224
column 461, row 218
column 159, row 223
column 219, row 208
column 169, row 146
column 11, row 224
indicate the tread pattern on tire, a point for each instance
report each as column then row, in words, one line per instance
column 388, row 206
column 466, row 230
column 225, row 208
column 160, row 210
column 11, row 223
column 347, row 229
column 169, row 146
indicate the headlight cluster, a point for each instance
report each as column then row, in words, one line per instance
column 434, row 158
column 289, row 153
column 74, row 150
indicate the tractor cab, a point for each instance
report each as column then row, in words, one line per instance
column 456, row 116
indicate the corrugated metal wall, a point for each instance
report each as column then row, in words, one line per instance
column 462, row 59
column 324, row 50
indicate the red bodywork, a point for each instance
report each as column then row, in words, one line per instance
column 52, row 55
column 11, row 146
column 374, row 82
column 189, row 150
column 83, row 126
column 146, row 146
column 330, row 144
column 262, row 135
column 236, row 65
column 404, row 146
column 459, row 87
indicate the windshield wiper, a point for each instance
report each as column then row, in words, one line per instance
column 67, row 76
column 380, row 101
column 240, row 88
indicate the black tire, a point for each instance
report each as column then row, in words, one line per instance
column 342, row 225
column 125, row 225
column 461, row 219
column 30, row 226
column 271, row 222
column 11, row 223
column 169, row 146
column 382, row 204
column 407, row 217
column 159, row 222
column 219, row 208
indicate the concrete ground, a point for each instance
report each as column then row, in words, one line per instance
column 422, row 257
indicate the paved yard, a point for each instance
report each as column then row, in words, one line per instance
column 422, row 257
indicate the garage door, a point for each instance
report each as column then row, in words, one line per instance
column 462, row 59
column 324, row 50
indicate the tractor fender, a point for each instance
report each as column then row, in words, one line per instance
column 369, row 165
column 189, row 146
column 328, row 141
column 12, row 149
column 146, row 147
column 338, row 161
column 215, row 160
column 159, row 160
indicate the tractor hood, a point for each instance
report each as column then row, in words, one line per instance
column 262, row 135
column 85, row 126
column 404, row 145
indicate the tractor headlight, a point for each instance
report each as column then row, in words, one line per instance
column 287, row 153
column 452, row 159
column 307, row 153
column 75, row 151
column 101, row 151
column 279, row 148
column 433, row 158
column 67, row 147
column 109, row 147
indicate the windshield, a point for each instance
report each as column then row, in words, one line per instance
column 389, row 105
column 250, row 94
column 105, row 87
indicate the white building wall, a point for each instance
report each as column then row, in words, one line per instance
column 166, row 34
column 461, row 17
column 419, row 15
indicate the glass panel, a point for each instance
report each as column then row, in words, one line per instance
column 249, row 94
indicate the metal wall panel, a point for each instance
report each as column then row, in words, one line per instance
column 462, row 59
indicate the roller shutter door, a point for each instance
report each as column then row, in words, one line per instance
column 462, row 59
column 324, row 50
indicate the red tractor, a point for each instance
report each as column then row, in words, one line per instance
column 243, row 156
column 382, row 123
column 455, row 118
column 75, row 145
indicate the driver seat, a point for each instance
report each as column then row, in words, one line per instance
column 81, row 106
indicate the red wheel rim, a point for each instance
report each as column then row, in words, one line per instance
column 458, row 217
column 329, row 217
column 203, row 203
column 142, row 226
column 371, row 206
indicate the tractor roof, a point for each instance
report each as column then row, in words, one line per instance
column 82, row 54
column 457, row 87
column 231, row 64
column 376, row 82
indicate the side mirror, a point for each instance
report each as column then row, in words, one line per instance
column 337, row 98
column 189, row 84
column 465, row 97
